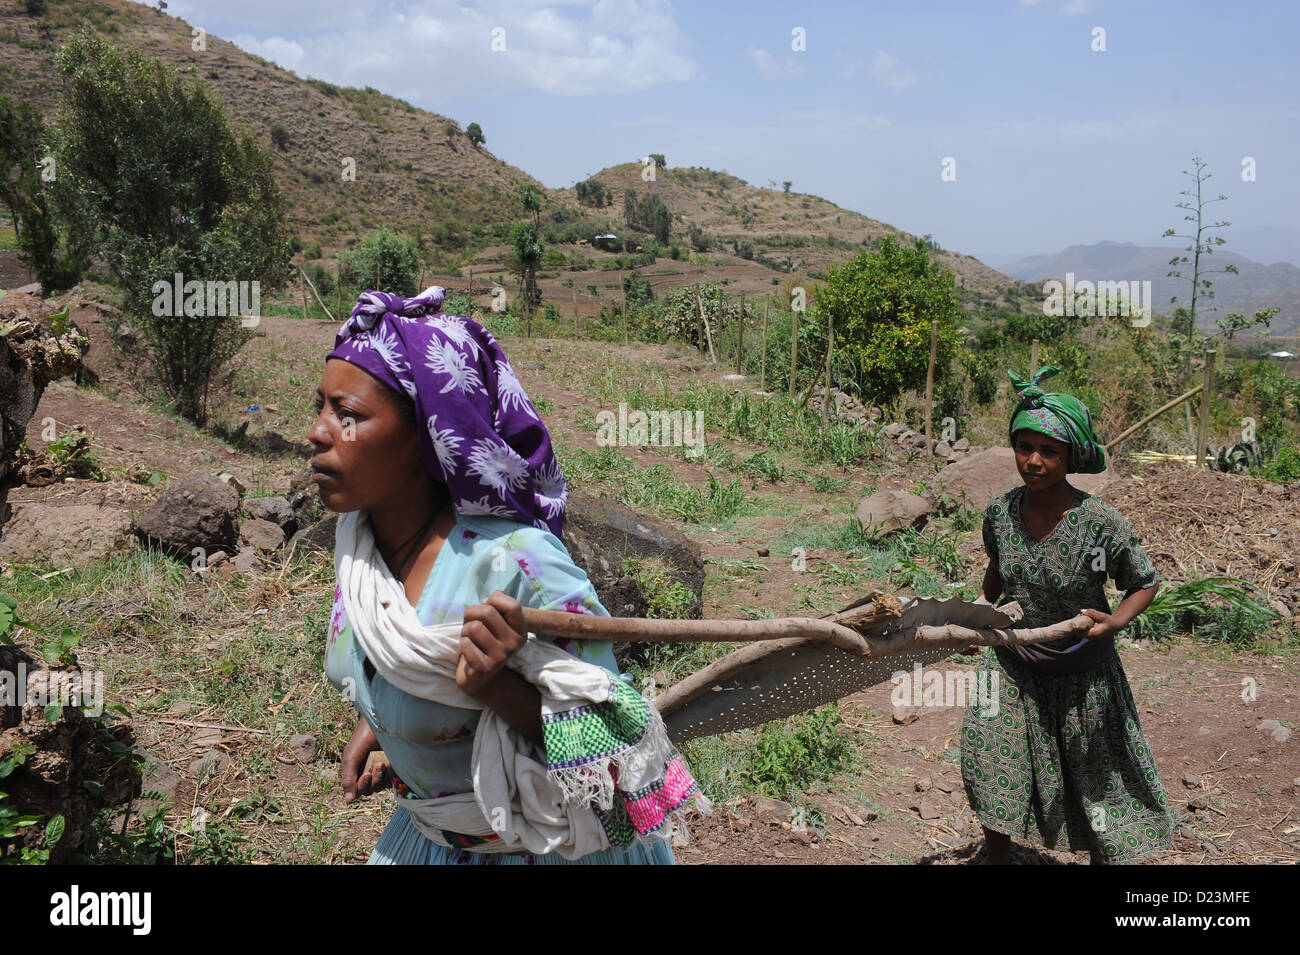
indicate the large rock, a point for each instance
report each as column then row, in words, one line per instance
column 319, row 535
column 75, row 534
column 260, row 534
column 198, row 510
column 983, row 475
column 274, row 509
column 888, row 512
column 600, row 534
column 304, row 498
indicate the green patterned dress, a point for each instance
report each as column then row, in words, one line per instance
column 1062, row 758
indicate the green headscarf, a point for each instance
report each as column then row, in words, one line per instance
column 1060, row 416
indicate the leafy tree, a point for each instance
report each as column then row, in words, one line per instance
column 882, row 303
column 647, row 214
column 475, row 133
column 785, row 186
column 629, row 207
column 658, row 160
column 385, row 260
column 528, row 253
column 37, row 225
column 1236, row 321
column 529, row 249
column 593, row 193
column 531, row 200
column 661, row 220
column 279, row 135
column 174, row 188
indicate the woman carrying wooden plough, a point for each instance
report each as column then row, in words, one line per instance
column 1062, row 758
column 503, row 750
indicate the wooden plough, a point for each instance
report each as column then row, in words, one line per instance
column 795, row 664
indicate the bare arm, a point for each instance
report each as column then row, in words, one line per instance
column 992, row 587
column 1134, row 602
column 493, row 630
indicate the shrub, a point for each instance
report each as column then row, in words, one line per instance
column 1284, row 468
column 279, row 135
column 385, row 260
column 322, row 278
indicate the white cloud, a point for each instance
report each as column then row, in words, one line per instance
column 285, row 53
column 444, row 48
column 1072, row 8
column 771, row 68
column 887, row 70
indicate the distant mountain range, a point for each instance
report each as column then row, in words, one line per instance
column 1255, row 286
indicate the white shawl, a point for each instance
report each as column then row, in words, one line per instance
column 531, row 809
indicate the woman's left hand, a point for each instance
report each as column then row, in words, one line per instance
column 1105, row 625
column 492, row 631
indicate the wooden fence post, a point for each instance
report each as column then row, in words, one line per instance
column 794, row 348
column 708, row 334
column 830, row 347
column 929, row 386
column 762, row 362
column 1033, row 358
column 1207, row 389
column 740, row 338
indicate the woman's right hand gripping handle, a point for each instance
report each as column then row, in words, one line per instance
column 360, row 774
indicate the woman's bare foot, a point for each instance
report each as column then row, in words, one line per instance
column 997, row 847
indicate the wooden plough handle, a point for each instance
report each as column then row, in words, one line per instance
column 580, row 626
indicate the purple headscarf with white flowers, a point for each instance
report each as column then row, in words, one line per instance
column 478, row 432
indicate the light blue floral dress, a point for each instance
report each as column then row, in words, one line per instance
column 430, row 744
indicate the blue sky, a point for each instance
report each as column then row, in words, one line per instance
column 1054, row 143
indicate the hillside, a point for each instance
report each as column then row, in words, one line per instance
column 409, row 172
column 1255, row 286
column 808, row 231
column 416, row 174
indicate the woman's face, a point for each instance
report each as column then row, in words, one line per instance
column 1042, row 461
column 366, row 453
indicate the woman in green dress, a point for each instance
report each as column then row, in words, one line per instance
column 1062, row 758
